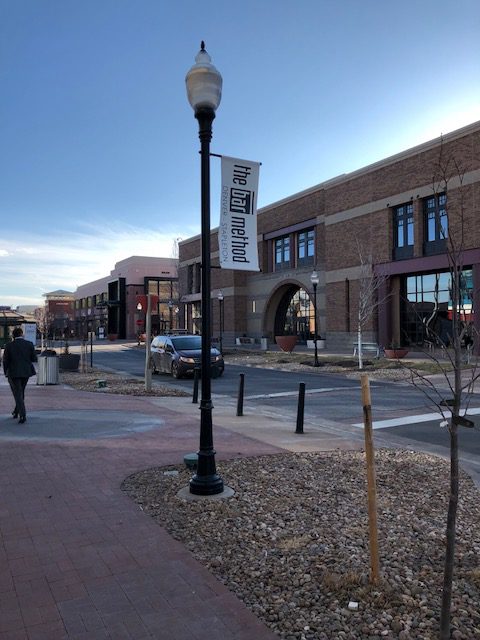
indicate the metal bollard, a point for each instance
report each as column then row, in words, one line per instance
column 196, row 372
column 301, row 407
column 241, row 388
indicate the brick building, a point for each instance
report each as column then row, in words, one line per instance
column 108, row 306
column 59, row 310
column 399, row 212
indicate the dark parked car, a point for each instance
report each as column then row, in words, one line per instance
column 179, row 355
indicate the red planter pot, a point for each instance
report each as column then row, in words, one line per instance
column 286, row 343
column 395, row 353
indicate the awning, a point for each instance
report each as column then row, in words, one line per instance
column 10, row 318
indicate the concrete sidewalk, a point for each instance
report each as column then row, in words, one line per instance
column 78, row 558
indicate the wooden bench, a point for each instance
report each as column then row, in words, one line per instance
column 371, row 347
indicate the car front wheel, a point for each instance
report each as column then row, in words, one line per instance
column 175, row 370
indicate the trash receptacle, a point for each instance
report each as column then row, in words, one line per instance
column 47, row 368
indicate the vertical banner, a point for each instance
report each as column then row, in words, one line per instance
column 30, row 332
column 237, row 231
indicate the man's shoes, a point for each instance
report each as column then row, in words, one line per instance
column 14, row 414
column 22, row 420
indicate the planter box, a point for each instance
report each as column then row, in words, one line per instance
column 69, row 361
column 395, row 353
column 286, row 343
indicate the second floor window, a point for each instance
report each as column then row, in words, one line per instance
column 403, row 231
column 436, row 220
column 404, row 225
column 282, row 253
column 190, row 278
column 306, row 247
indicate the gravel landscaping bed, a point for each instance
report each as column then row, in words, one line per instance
column 347, row 366
column 292, row 542
column 115, row 383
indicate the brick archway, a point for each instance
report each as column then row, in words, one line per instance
column 277, row 319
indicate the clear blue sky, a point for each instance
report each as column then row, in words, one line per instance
column 99, row 147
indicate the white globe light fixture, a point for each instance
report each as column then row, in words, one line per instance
column 204, row 83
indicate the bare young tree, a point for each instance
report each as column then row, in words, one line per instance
column 44, row 321
column 455, row 348
column 174, row 252
column 370, row 286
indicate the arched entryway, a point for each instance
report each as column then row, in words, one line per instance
column 291, row 312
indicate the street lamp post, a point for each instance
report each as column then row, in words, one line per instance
column 314, row 279
column 170, row 315
column 139, row 321
column 220, row 308
column 148, row 331
column 204, row 90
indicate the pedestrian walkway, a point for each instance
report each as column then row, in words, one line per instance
column 78, row 558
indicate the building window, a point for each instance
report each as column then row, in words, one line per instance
column 436, row 223
column 295, row 315
column 196, row 318
column 282, row 253
column 305, row 247
column 198, row 278
column 427, row 312
column 403, row 231
column 165, row 291
column 190, row 278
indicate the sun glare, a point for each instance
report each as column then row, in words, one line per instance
column 447, row 122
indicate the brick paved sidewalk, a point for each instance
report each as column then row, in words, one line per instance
column 78, row 559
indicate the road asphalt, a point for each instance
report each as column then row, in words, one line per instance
column 78, row 558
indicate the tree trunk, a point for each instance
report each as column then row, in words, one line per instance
column 445, row 613
column 359, row 346
column 450, row 536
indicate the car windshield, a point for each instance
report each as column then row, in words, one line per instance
column 187, row 342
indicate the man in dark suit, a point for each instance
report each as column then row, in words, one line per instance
column 18, row 358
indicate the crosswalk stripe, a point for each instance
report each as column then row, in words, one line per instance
column 284, row 394
column 398, row 422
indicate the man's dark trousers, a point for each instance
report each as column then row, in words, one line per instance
column 17, row 385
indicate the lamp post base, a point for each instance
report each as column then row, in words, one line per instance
column 206, row 485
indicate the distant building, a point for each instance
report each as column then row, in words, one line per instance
column 27, row 309
column 399, row 211
column 108, row 306
column 60, row 315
